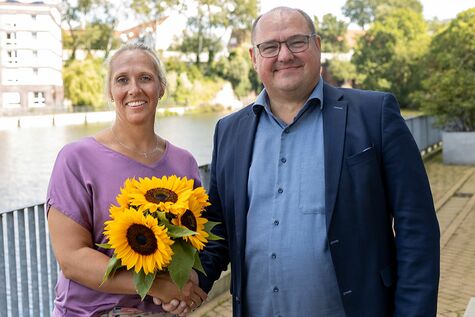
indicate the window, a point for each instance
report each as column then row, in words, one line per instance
column 12, row 57
column 11, row 100
column 35, row 71
column 34, row 35
column 37, row 99
column 35, row 53
column 33, row 17
column 11, row 38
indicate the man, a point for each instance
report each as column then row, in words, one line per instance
column 322, row 194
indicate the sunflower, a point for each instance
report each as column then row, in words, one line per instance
column 114, row 211
column 164, row 194
column 192, row 220
column 130, row 187
column 199, row 194
column 138, row 241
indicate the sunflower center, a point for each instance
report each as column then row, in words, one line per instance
column 188, row 220
column 141, row 239
column 161, row 195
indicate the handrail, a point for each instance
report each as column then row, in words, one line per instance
column 27, row 263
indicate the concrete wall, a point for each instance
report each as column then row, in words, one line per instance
column 459, row 148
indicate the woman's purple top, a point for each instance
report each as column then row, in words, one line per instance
column 86, row 178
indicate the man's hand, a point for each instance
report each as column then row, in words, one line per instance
column 188, row 299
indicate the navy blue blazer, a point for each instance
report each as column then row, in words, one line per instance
column 382, row 229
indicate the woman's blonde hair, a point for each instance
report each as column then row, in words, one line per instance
column 131, row 46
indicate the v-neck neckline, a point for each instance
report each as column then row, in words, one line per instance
column 128, row 158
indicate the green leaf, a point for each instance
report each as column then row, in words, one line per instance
column 112, row 266
column 162, row 217
column 212, row 236
column 143, row 282
column 174, row 231
column 197, row 265
column 182, row 262
column 104, row 245
column 208, row 227
column 179, row 232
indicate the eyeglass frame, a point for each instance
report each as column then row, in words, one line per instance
column 307, row 39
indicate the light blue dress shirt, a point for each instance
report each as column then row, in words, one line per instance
column 289, row 270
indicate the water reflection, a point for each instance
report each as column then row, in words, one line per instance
column 29, row 153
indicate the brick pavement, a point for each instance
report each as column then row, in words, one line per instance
column 456, row 214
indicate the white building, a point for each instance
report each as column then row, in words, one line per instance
column 30, row 56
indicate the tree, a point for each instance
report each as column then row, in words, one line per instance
column 236, row 68
column 91, row 25
column 364, row 12
column 360, row 12
column 448, row 88
column 332, row 32
column 212, row 20
column 343, row 72
column 84, row 82
column 389, row 53
column 72, row 15
column 151, row 10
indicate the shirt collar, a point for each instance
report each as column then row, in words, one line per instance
column 262, row 100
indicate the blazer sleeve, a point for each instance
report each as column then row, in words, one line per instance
column 415, row 223
column 215, row 256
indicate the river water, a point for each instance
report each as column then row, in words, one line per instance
column 27, row 155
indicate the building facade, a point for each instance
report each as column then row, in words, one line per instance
column 30, row 57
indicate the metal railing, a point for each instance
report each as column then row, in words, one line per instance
column 426, row 135
column 28, row 269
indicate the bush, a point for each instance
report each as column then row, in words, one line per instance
column 448, row 90
column 84, row 82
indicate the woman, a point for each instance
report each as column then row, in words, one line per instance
column 85, row 181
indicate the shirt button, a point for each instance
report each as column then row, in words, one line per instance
column 276, row 222
column 273, row 256
column 280, row 190
column 283, row 160
column 286, row 131
column 276, row 289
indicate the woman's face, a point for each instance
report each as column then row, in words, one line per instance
column 134, row 87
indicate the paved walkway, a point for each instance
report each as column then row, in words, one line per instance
column 453, row 188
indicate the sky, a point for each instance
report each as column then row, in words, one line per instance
column 442, row 9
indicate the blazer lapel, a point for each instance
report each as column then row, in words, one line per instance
column 246, row 131
column 334, row 127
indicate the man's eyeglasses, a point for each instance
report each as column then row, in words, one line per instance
column 295, row 44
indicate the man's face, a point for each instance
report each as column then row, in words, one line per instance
column 288, row 72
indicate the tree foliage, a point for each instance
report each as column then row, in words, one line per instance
column 364, row 12
column 91, row 25
column 237, row 69
column 389, row 54
column 448, row 88
column 152, row 10
column 212, row 20
column 84, row 82
column 342, row 71
column 332, row 32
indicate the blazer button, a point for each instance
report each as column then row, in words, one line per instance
column 238, row 300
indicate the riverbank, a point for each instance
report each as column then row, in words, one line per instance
column 81, row 118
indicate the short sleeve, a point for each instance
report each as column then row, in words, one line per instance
column 68, row 191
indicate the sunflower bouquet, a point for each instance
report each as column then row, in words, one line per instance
column 157, row 226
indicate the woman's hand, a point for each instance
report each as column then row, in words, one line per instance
column 186, row 300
